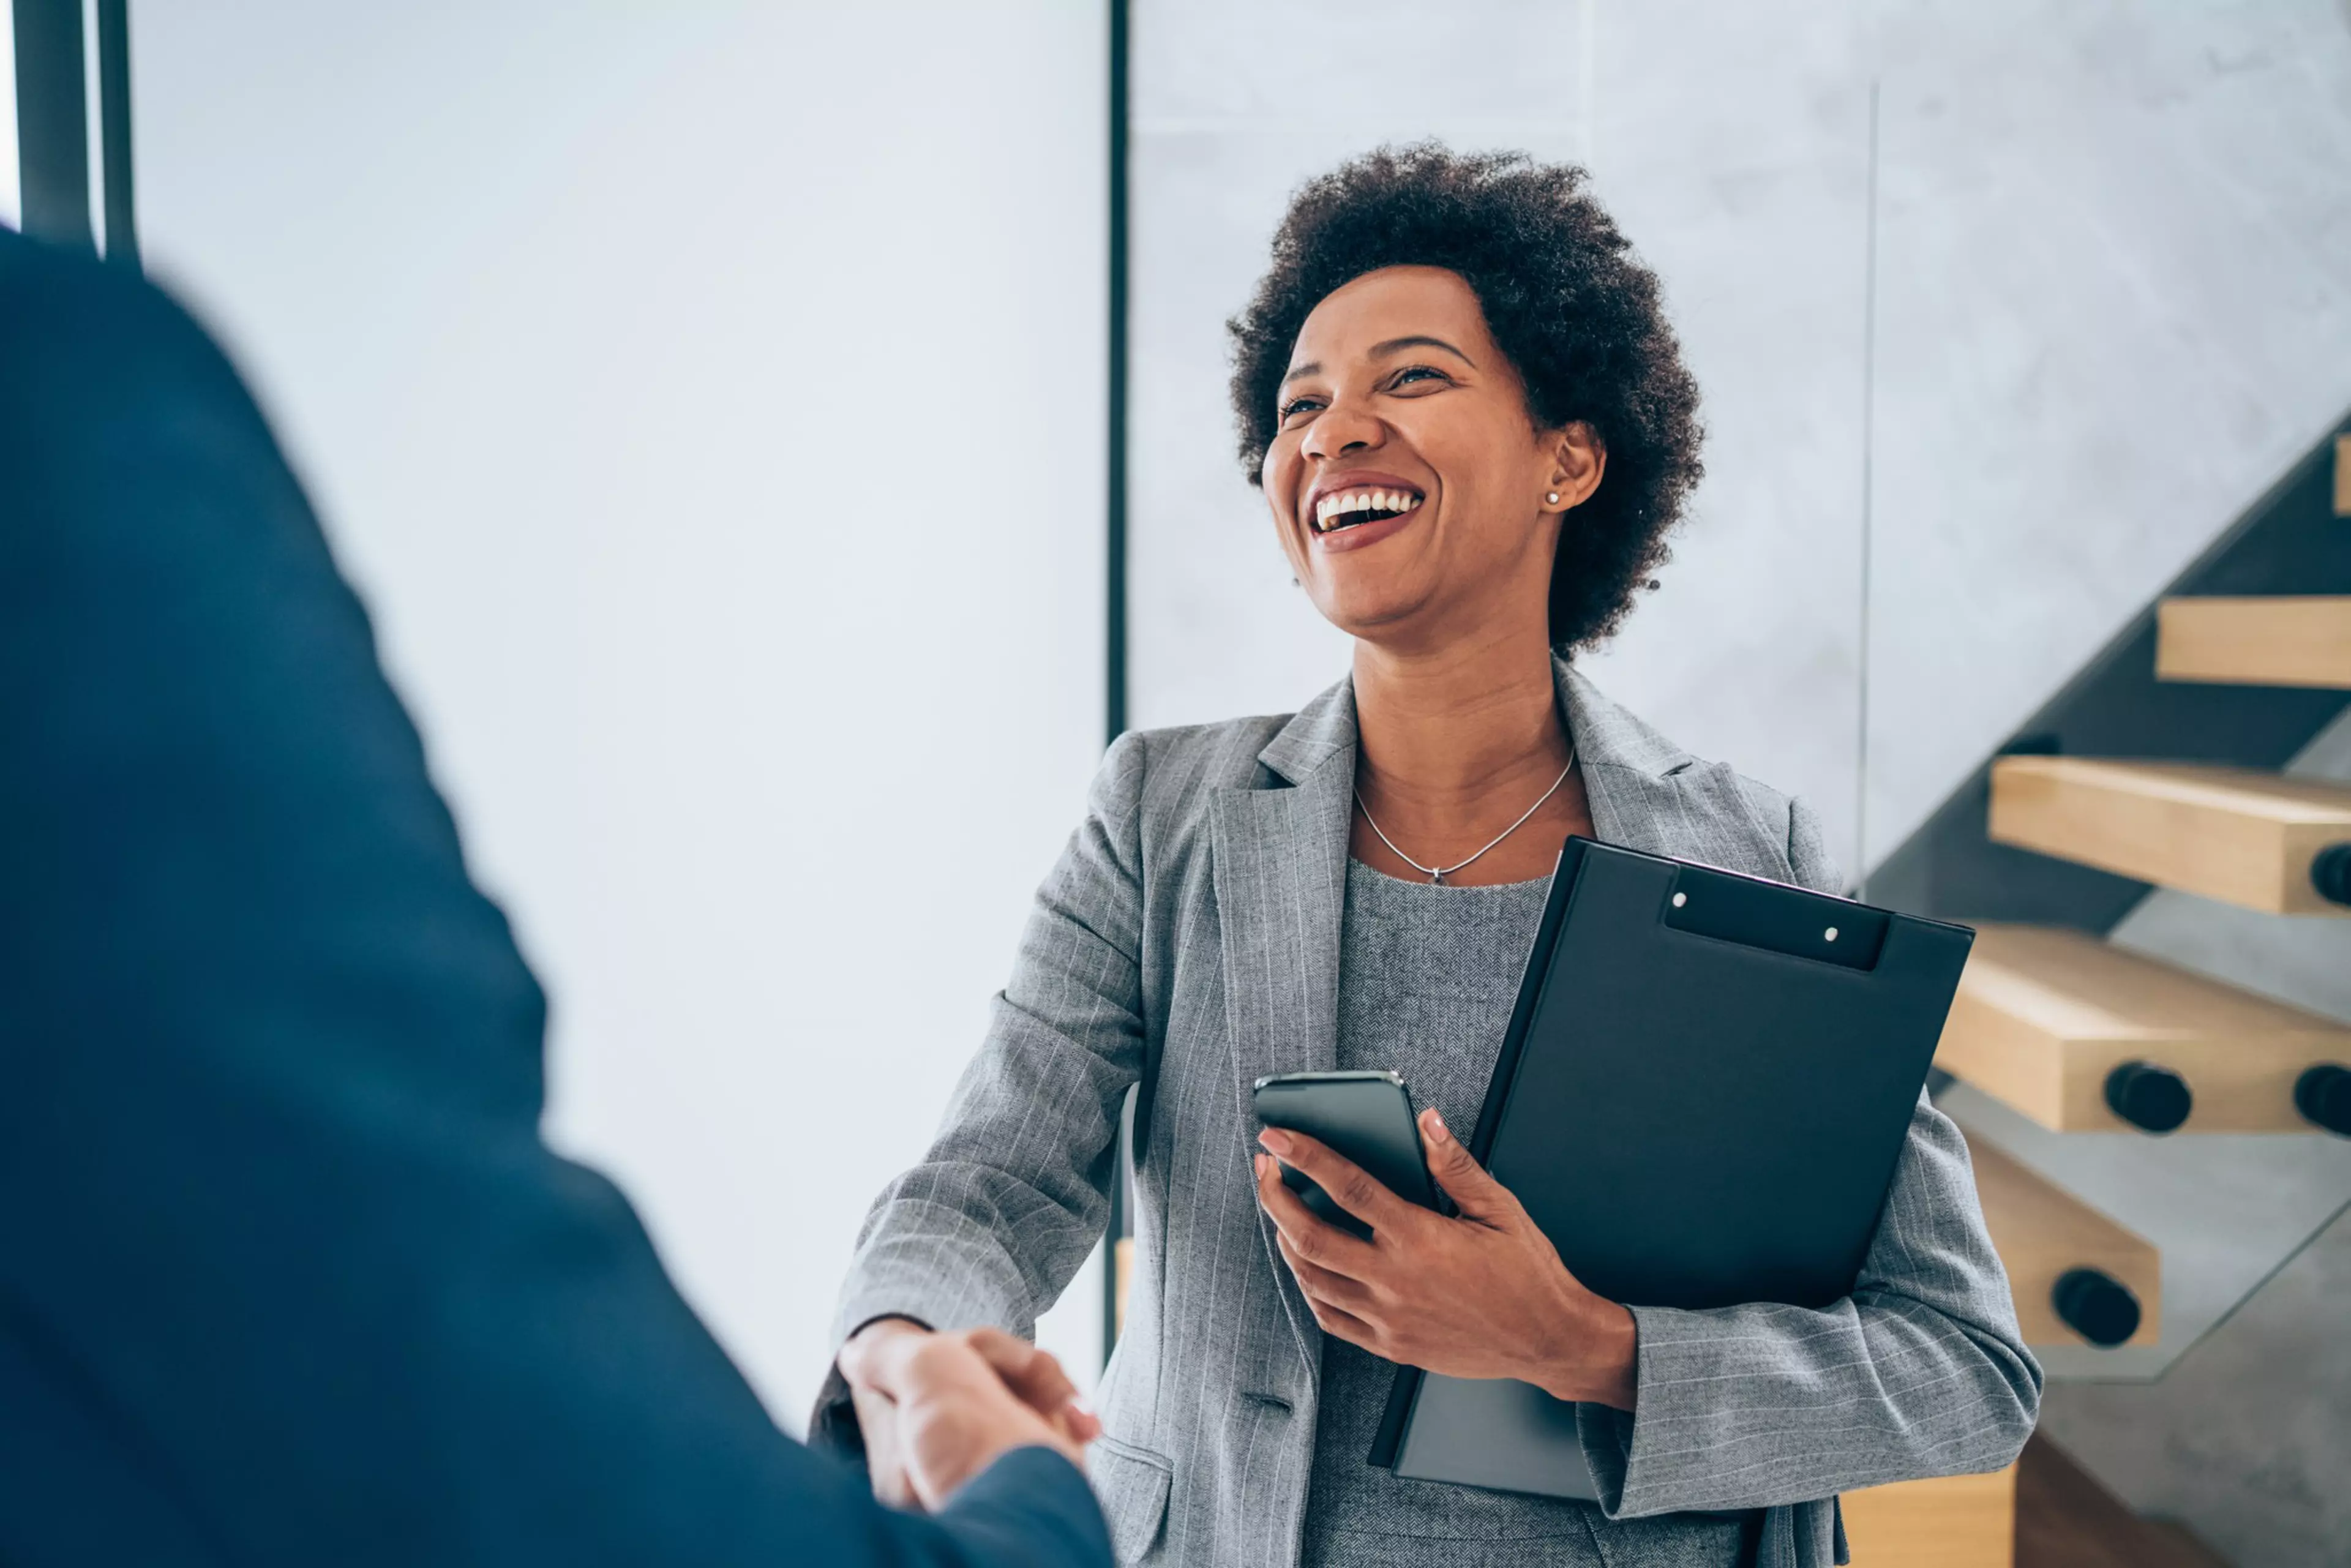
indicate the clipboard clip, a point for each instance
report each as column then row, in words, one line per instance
column 1775, row 917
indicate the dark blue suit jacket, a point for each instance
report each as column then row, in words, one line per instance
column 286, row 1274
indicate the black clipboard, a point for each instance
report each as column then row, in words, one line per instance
column 1705, row 1083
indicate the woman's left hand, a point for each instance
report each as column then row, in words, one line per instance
column 1483, row 1295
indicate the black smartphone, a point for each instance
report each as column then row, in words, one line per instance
column 1367, row 1116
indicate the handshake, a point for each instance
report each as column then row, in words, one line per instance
column 936, row 1409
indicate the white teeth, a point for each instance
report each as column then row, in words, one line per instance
column 1331, row 508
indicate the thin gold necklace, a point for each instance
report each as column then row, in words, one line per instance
column 1438, row 874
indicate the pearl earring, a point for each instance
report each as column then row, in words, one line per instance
column 1553, row 497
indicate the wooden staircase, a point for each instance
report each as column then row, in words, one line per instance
column 2082, row 1036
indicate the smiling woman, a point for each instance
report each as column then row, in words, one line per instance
column 1474, row 431
column 1529, row 265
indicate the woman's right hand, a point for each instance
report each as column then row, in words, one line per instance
column 936, row 1409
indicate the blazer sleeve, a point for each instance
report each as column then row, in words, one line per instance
column 1014, row 1191
column 1920, row 1371
column 290, row 1276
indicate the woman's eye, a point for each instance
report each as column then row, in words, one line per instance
column 1298, row 405
column 1414, row 374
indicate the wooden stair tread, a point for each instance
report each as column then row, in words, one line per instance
column 1946, row 1522
column 2094, row 989
column 2044, row 1015
column 2246, row 791
column 2041, row 1231
column 2236, row 834
column 2285, row 641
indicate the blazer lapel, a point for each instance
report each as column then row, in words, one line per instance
column 1281, row 871
column 1646, row 793
column 1279, row 865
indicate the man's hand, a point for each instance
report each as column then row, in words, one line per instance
column 937, row 1408
column 1484, row 1295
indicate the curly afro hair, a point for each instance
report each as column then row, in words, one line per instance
column 1578, row 315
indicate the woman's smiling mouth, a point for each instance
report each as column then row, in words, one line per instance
column 1345, row 509
column 1350, row 511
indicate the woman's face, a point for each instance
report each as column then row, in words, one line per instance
column 1406, row 478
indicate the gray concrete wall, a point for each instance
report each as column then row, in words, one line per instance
column 2112, row 303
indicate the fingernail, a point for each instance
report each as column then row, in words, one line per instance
column 1257, row 1164
column 1436, row 1127
column 1274, row 1138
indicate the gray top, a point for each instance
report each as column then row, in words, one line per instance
column 1427, row 977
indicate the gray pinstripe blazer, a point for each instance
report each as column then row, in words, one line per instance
column 1188, row 940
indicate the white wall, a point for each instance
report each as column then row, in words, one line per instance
column 708, row 401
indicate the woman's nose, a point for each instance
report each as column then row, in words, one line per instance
column 1343, row 428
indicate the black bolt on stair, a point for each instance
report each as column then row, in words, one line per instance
column 2330, row 873
column 2096, row 1306
column 2150, row 1098
column 2323, row 1095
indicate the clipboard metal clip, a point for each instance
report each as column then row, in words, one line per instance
column 1775, row 917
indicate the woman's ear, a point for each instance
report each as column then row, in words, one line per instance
column 1578, row 460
